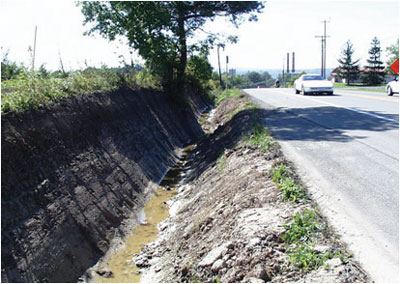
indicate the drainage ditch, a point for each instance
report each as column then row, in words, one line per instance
column 119, row 267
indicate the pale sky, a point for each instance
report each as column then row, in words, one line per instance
column 284, row 26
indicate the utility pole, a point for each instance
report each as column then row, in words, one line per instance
column 325, row 36
column 227, row 61
column 323, row 52
column 34, row 50
column 219, row 68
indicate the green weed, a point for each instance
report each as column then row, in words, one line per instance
column 261, row 138
column 303, row 227
column 228, row 93
column 289, row 189
column 306, row 258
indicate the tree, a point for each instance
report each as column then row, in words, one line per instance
column 9, row 69
column 393, row 54
column 254, row 77
column 348, row 68
column 160, row 30
column 374, row 70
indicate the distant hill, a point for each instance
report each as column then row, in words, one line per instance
column 275, row 72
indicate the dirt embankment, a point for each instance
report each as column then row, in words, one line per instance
column 229, row 219
column 74, row 171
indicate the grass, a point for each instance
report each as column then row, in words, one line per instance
column 261, row 138
column 356, row 87
column 227, row 94
column 289, row 189
column 31, row 89
column 344, row 85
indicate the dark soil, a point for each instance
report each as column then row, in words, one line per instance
column 74, row 171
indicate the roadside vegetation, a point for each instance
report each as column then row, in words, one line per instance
column 289, row 189
column 303, row 231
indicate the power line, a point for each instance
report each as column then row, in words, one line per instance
column 323, row 50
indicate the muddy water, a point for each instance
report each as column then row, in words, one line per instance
column 155, row 211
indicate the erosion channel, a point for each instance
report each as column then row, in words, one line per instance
column 117, row 266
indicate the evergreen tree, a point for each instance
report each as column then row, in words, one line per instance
column 348, row 69
column 374, row 70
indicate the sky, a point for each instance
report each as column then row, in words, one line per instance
column 284, row 26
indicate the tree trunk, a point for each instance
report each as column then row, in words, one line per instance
column 182, row 41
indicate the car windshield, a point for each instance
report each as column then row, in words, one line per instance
column 308, row 78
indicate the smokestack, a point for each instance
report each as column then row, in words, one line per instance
column 293, row 70
column 287, row 66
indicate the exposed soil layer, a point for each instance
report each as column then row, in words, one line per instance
column 227, row 221
column 74, row 171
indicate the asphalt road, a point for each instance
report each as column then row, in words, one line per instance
column 346, row 147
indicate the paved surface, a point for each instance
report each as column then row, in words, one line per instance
column 346, row 147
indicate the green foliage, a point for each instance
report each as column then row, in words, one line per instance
column 306, row 258
column 146, row 79
column 30, row 89
column 302, row 227
column 160, row 30
column 250, row 80
column 261, row 138
column 227, row 94
column 348, row 68
column 289, row 189
column 299, row 236
column 374, row 74
column 9, row 69
column 393, row 54
column 200, row 68
column 279, row 173
column 290, row 83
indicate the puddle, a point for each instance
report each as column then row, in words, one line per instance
column 155, row 211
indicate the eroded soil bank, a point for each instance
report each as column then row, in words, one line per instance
column 74, row 172
column 229, row 219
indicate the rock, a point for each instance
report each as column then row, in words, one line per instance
column 254, row 241
column 260, row 273
column 105, row 272
column 142, row 261
column 218, row 265
column 213, row 255
column 321, row 248
column 254, row 280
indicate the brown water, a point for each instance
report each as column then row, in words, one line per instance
column 156, row 210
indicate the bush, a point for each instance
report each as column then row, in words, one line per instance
column 30, row 89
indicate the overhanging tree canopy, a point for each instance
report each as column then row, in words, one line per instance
column 160, row 30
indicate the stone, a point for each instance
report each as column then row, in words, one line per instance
column 254, row 241
column 105, row 272
column 214, row 254
column 260, row 273
column 218, row 265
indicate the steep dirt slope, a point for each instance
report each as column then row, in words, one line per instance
column 230, row 221
column 74, row 170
